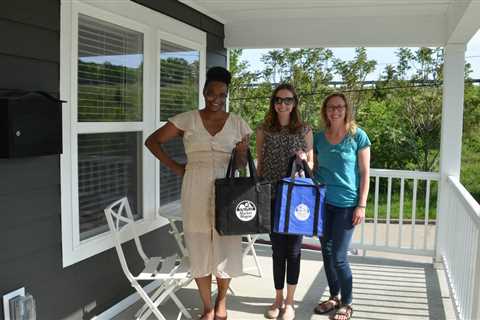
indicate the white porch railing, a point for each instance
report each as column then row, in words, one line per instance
column 393, row 228
column 459, row 248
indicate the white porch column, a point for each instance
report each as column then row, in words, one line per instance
column 451, row 132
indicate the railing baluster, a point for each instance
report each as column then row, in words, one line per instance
column 389, row 207
column 427, row 208
column 476, row 276
column 466, row 262
column 455, row 262
column 459, row 244
column 362, row 234
column 469, row 266
column 414, row 211
column 394, row 220
column 375, row 211
column 463, row 266
column 400, row 214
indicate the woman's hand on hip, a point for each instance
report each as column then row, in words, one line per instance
column 179, row 169
column 358, row 216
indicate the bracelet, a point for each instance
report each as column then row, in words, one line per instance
column 363, row 207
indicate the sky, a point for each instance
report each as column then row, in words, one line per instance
column 383, row 56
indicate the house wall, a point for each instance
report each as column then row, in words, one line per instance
column 216, row 53
column 30, row 211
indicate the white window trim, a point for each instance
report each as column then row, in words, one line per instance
column 161, row 35
column 154, row 26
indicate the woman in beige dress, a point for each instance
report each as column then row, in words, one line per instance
column 209, row 136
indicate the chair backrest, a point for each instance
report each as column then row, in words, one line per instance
column 122, row 226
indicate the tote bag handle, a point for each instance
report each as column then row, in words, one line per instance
column 251, row 166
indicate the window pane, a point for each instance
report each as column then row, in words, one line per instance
column 179, row 69
column 110, row 72
column 170, row 183
column 109, row 168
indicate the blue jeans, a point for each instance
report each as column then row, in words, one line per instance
column 338, row 232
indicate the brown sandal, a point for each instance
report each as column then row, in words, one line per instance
column 326, row 306
column 345, row 311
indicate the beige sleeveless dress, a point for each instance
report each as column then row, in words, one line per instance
column 207, row 160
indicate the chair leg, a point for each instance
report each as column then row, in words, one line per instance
column 215, row 291
column 259, row 268
column 154, row 296
column 250, row 247
column 168, row 290
column 152, row 308
column 180, row 305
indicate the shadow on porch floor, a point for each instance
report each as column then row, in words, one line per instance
column 385, row 287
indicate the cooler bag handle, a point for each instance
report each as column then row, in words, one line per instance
column 308, row 174
column 293, row 166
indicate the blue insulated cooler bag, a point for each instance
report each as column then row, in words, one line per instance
column 242, row 204
column 299, row 204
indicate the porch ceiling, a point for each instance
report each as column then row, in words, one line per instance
column 339, row 23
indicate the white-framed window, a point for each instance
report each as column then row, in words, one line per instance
column 124, row 70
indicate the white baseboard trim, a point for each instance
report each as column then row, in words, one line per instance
column 125, row 303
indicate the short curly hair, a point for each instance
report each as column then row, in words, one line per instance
column 219, row 74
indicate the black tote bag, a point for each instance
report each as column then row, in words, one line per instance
column 242, row 204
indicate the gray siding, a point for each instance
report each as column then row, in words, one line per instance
column 30, row 231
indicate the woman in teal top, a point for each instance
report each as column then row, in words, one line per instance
column 342, row 153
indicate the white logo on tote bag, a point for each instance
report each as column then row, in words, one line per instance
column 246, row 210
column 302, row 212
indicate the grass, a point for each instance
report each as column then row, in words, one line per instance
column 407, row 202
column 470, row 172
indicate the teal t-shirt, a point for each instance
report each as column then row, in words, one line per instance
column 337, row 167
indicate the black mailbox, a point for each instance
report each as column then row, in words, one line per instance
column 30, row 124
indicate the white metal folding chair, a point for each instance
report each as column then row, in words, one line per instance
column 250, row 248
column 172, row 273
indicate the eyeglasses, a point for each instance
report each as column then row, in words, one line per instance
column 288, row 101
column 339, row 108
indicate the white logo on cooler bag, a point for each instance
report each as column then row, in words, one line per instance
column 302, row 212
column 246, row 210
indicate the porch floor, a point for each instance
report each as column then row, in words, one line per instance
column 385, row 286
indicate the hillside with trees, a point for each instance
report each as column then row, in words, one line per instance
column 400, row 111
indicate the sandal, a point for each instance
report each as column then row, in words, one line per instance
column 345, row 312
column 328, row 305
column 272, row 312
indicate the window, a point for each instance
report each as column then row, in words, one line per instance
column 110, row 89
column 179, row 70
column 110, row 72
column 109, row 168
column 179, row 77
column 118, row 93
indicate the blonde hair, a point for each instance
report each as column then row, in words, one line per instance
column 350, row 124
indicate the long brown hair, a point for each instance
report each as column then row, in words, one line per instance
column 271, row 123
column 350, row 124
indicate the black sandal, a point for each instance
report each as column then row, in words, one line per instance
column 322, row 308
column 345, row 310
